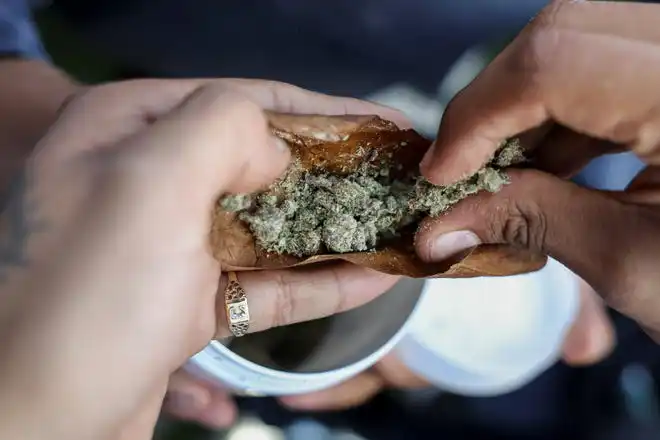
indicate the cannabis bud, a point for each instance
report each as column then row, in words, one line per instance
column 354, row 194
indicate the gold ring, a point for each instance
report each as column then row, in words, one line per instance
column 236, row 307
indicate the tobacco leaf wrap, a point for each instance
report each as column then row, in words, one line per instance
column 341, row 144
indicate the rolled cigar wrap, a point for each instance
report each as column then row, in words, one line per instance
column 332, row 154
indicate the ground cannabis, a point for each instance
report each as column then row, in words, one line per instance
column 308, row 213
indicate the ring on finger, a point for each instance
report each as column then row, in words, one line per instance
column 236, row 307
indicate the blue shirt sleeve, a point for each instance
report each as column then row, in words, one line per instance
column 611, row 172
column 19, row 36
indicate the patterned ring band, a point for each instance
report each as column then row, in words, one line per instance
column 236, row 307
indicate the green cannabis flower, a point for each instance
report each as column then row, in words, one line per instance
column 308, row 213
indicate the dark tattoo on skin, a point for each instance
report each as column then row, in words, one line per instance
column 17, row 224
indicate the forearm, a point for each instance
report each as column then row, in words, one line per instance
column 31, row 92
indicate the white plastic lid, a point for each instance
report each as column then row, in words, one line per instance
column 491, row 335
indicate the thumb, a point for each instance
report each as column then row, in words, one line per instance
column 603, row 240
column 215, row 141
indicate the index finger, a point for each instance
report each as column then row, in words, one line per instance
column 283, row 297
column 287, row 98
column 130, row 106
column 588, row 65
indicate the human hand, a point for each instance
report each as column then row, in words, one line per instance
column 577, row 82
column 112, row 223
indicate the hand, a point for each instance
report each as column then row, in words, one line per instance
column 107, row 282
column 577, row 82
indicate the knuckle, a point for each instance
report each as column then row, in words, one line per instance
column 230, row 102
column 247, row 112
column 530, row 54
column 100, row 92
column 521, row 226
column 80, row 100
column 238, row 113
column 72, row 100
column 285, row 304
column 540, row 48
column 280, row 95
column 105, row 95
column 534, row 54
column 342, row 299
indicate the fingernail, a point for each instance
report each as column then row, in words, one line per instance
column 451, row 243
column 182, row 403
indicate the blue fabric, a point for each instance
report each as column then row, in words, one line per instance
column 18, row 33
column 611, row 172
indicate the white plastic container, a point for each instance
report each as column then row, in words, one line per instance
column 319, row 354
column 490, row 336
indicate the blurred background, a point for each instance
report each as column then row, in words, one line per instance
column 413, row 55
